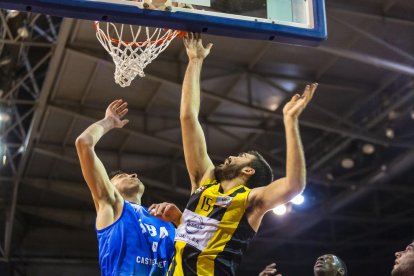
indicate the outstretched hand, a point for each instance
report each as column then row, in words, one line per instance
column 270, row 270
column 116, row 111
column 299, row 102
column 166, row 211
column 194, row 46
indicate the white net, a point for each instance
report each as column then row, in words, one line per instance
column 133, row 49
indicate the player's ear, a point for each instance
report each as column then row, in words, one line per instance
column 249, row 171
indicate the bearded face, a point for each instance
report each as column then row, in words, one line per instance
column 404, row 262
column 227, row 172
column 232, row 167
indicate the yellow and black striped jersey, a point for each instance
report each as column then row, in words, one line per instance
column 214, row 233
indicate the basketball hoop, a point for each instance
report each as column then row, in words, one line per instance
column 133, row 50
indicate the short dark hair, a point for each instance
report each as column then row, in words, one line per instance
column 343, row 265
column 263, row 174
column 112, row 174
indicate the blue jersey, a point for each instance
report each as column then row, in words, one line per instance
column 136, row 244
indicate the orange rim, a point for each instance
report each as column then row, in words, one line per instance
column 180, row 34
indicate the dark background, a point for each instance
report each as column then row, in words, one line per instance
column 59, row 80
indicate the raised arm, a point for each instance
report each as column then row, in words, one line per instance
column 195, row 149
column 96, row 177
column 282, row 190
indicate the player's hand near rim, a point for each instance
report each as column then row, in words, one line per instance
column 194, row 47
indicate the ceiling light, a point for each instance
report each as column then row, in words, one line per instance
column 274, row 106
column 389, row 132
column 20, row 149
column 298, row 200
column 23, row 32
column 3, row 151
column 393, row 115
column 4, row 117
column 5, row 61
column 12, row 13
column 280, row 210
column 412, row 114
column 347, row 163
column 368, row 149
column 329, row 176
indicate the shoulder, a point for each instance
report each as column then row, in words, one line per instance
column 205, row 184
column 255, row 200
column 207, row 178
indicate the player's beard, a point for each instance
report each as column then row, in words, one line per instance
column 402, row 270
column 395, row 272
column 398, row 271
column 227, row 173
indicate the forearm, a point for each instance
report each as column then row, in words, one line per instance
column 190, row 100
column 94, row 132
column 295, row 159
column 178, row 220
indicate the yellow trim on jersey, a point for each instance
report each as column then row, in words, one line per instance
column 178, row 270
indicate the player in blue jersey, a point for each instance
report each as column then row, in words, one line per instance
column 131, row 241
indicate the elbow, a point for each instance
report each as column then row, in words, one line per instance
column 83, row 142
column 188, row 117
column 301, row 187
column 297, row 187
column 301, row 184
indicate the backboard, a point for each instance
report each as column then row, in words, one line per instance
column 301, row 22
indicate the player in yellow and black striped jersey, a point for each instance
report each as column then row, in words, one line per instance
column 228, row 201
column 214, row 233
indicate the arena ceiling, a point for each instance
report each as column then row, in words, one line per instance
column 56, row 79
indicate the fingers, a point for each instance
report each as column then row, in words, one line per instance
column 124, row 122
column 114, row 104
column 192, row 37
column 295, row 97
column 209, row 46
column 154, row 209
column 161, row 209
column 309, row 91
column 168, row 208
column 158, row 209
column 270, row 270
column 272, row 265
column 314, row 86
column 151, row 207
column 123, row 113
column 121, row 108
column 118, row 106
